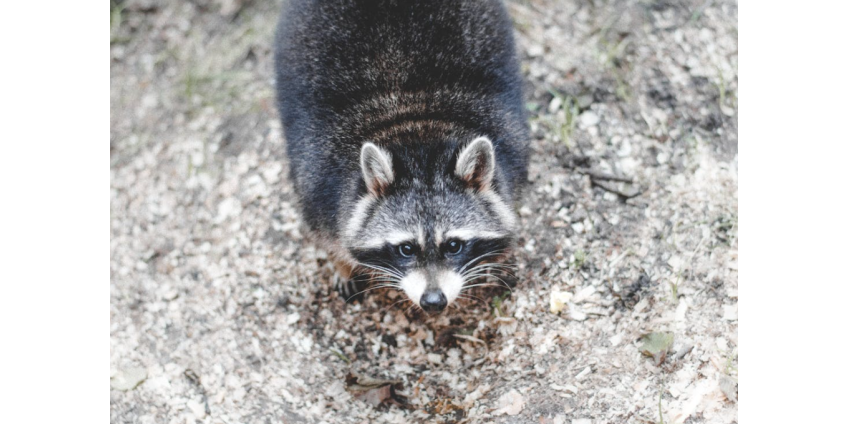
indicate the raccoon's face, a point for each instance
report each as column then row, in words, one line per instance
column 430, row 221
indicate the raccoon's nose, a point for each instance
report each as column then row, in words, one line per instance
column 433, row 301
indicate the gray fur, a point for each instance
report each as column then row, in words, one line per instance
column 403, row 120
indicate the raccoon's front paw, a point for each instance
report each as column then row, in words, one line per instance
column 509, row 279
column 352, row 289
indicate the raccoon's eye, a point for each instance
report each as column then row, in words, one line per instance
column 406, row 250
column 453, row 246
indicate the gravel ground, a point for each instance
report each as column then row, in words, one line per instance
column 222, row 309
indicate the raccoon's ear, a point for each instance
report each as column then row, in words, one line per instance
column 476, row 164
column 377, row 169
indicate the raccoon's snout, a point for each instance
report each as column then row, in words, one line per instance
column 433, row 301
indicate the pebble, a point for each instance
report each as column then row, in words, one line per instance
column 730, row 312
column 589, row 119
column 535, row 50
column 626, row 149
column 196, row 408
column 434, row 358
column 555, row 104
column 578, row 227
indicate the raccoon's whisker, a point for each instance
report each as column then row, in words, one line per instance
column 485, row 255
column 496, row 265
column 502, row 282
column 391, row 267
column 482, row 269
column 383, row 270
column 476, row 277
column 473, row 277
column 388, row 266
column 492, row 265
column 381, row 274
column 467, row 296
column 482, row 285
column 405, row 299
column 383, row 286
column 492, row 285
column 385, row 280
column 412, row 307
column 486, row 285
column 487, row 271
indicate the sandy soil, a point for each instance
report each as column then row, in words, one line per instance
column 222, row 310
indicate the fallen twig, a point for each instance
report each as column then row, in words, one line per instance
column 473, row 339
column 598, row 175
column 610, row 188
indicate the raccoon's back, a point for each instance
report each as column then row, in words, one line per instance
column 340, row 51
column 347, row 70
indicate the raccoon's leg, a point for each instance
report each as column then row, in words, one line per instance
column 505, row 276
column 349, row 284
column 510, row 279
column 354, row 287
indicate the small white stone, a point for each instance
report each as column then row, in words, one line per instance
column 626, row 149
column 577, row 314
column 731, row 312
column 271, row 173
column 584, row 294
column 555, row 104
column 434, row 358
column 589, row 119
column 680, row 313
column 227, row 208
column 535, row 50
column 676, row 263
column 615, row 340
column 196, row 408
column 578, row 227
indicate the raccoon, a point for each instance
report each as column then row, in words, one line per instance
column 406, row 136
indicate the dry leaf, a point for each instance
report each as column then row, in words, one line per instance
column 656, row 345
column 128, row 378
column 510, row 403
column 374, row 391
column 728, row 387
